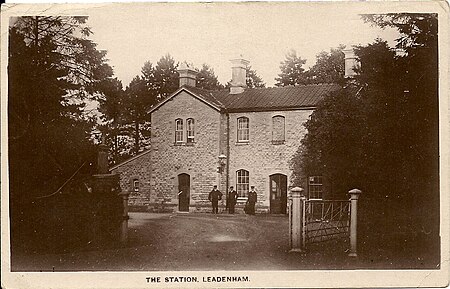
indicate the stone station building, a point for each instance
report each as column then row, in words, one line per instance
column 237, row 137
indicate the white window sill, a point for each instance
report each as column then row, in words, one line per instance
column 189, row 144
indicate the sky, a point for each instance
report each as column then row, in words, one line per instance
column 214, row 33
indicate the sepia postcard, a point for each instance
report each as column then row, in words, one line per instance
column 225, row 145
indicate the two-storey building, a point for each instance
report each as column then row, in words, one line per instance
column 237, row 137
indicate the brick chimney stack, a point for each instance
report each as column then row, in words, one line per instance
column 239, row 75
column 351, row 62
column 188, row 76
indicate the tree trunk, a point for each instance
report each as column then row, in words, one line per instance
column 136, row 137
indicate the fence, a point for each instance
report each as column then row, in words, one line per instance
column 315, row 221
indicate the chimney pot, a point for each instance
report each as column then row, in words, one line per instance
column 188, row 76
column 239, row 75
column 351, row 62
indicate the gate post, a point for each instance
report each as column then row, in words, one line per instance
column 297, row 206
column 354, row 195
column 124, row 224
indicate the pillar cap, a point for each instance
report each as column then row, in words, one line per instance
column 355, row 191
column 297, row 192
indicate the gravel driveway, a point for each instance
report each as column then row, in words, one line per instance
column 163, row 242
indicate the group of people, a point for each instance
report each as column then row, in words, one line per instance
column 215, row 196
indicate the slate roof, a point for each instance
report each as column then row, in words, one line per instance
column 260, row 99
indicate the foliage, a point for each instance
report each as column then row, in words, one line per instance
column 384, row 138
column 332, row 145
column 206, row 79
column 417, row 30
column 292, row 71
column 129, row 132
column 138, row 99
column 329, row 67
column 165, row 77
column 253, row 80
column 112, row 105
column 54, row 72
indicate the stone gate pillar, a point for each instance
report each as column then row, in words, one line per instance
column 354, row 195
column 107, row 205
column 296, row 222
column 124, row 225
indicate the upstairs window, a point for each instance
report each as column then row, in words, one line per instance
column 242, row 129
column 178, row 130
column 242, row 184
column 278, row 127
column 315, row 185
column 190, row 130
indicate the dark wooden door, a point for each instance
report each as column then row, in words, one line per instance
column 184, row 185
column 278, row 194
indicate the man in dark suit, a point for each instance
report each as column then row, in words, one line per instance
column 231, row 200
column 251, row 201
column 214, row 196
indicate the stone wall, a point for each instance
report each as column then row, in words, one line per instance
column 215, row 134
column 199, row 160
column 136, row 168
column 260, row 156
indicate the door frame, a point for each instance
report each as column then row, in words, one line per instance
column 185, row 205
column 283, row 194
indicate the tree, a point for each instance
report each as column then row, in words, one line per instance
column 329, row 67
column 165, row 76
column 54, row 70
column 111, row 105
column 138, row 99
column 253, row 80
column 156, row 83
column 382, row 134
column 414, row 89
column 206, row 79
column 292, row 72
column 332, row 145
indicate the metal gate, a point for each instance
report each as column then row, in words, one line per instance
column 325, row 220
column 315, row 221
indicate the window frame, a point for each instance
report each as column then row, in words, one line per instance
column 245, row 131
column 242, row 188
column 190, row 133
column 315, row 187
column 135, row 187
column 179, row 132
column 278, row 141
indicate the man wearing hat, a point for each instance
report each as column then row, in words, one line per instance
column 214, row 196
column 231, row 200
column 251, row 201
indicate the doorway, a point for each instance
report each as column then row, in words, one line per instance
column 278, row 194
column 184, row 185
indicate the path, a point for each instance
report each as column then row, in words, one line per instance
column 171, row 242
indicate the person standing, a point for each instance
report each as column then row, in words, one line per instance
column 231, row 200
column 251, row 200
column 214, row 197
